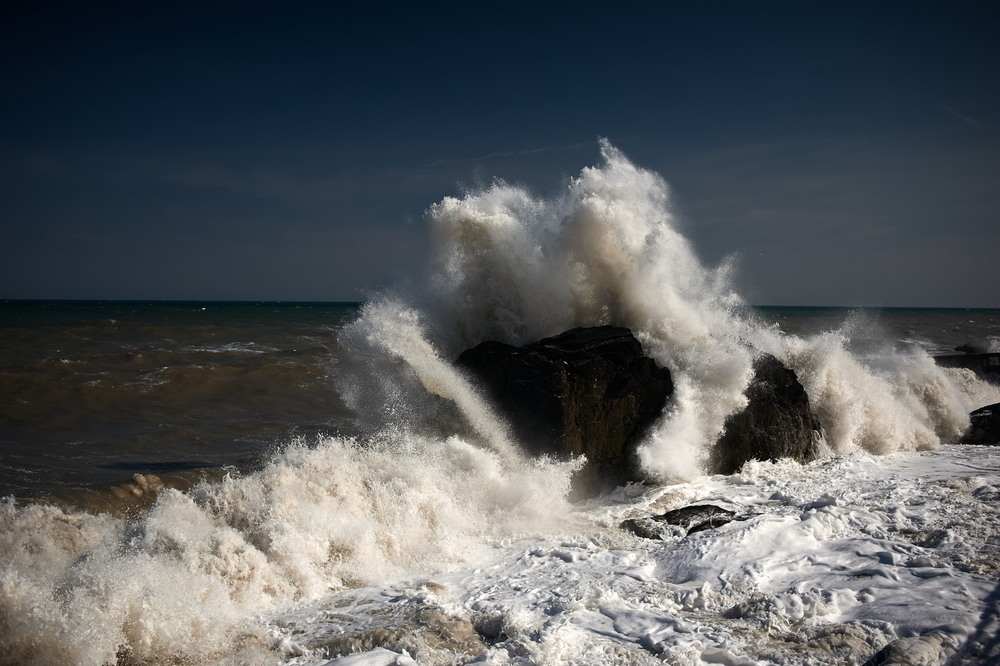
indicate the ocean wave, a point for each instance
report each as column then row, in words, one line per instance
column 435, row 482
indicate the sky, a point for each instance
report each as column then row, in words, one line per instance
column 844, row 153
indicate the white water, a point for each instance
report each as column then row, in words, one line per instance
column 188, row 579
column 259, row 568
column 514, row 268
column 833, row 560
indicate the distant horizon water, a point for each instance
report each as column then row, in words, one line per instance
column 307, row 301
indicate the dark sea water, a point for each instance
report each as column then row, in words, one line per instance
column 937, row 330
column 92, row 392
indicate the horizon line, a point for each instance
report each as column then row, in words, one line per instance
column 362, row 302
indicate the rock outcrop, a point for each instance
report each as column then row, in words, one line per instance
column 588, row 391
column 984, row 427
column 777, row 422
column 593, row 392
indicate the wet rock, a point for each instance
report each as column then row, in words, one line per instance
column 984, row 426
column 648, row 527
column 777, row 423
column 588, row 391
column 592, row 392
column 680, row 522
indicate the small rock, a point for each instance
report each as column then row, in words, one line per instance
column 680, row 522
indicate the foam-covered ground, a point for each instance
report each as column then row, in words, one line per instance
column 833, row 561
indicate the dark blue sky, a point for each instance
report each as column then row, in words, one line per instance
column 847, row 153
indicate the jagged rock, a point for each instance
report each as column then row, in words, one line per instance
column 588, row 391
column 984, row 427
column 777, row 422
column 680, row 522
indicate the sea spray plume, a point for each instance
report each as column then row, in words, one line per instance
column 398, row 359
column 513, row 268
column 633, row 266
column 872, row 396
column 495, row 276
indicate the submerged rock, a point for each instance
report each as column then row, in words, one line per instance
column 588, row 391
column 777, row 422
column 935, row 647
column 984, row 427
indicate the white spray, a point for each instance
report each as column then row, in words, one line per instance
column 515, row 268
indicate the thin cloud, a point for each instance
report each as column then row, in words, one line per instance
column 513, row 153
column 971, row 122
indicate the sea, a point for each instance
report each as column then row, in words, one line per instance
column 94, row 392
column 274, row 482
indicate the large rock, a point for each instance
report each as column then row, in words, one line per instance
column 588, row 391
column 777, row 422
column 984, row 427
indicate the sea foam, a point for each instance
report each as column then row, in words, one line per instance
column 185, row 580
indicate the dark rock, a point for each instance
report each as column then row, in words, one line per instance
column 777, row 422
column 680, row 522
column 588, row 391
column 984, row 427
column 698, row 517
column 648, row 527
column 592, row 392
column 986, row 364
